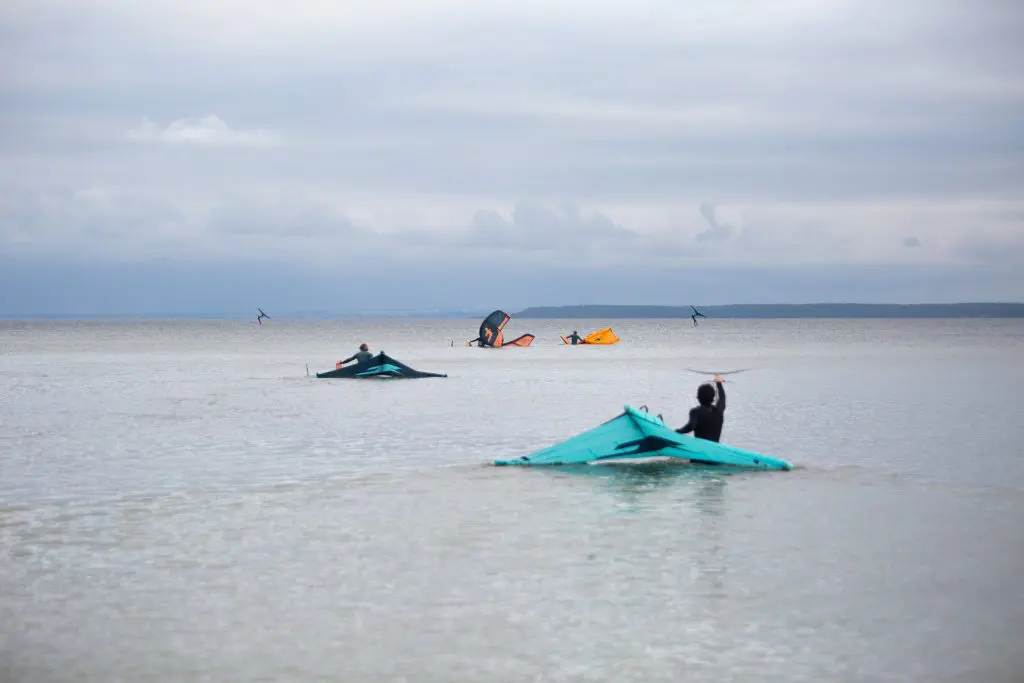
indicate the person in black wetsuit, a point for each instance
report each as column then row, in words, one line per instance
column 707, row 418
column 360, row 356
column 574, row 338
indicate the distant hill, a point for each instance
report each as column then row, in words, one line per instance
column 276, row 316
column 605, row 312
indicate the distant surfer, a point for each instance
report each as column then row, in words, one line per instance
column 361, row 356
column 262, row 315
column 696, row 314
column 707, row 418
column 574, row 338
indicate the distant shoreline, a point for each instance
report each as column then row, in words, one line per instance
column 607, row 312
column 748, row 311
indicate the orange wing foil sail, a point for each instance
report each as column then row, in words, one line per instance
column 521, row 340
column 601, row 337
column 605, row 336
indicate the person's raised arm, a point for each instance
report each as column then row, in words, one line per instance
column 720, row 403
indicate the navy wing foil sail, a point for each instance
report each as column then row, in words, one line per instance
column 491, row 329
column 492, row 333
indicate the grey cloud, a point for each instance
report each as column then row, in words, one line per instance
column 982, row 246
column 858, row 105
column 208, row 130
column 536, row 226
column 911, row 242
column 489, row 221
column 716, row 232
column 844, row 111
column 835, row 63
column 296, row 227
column 582, row 172
column 255, row 216
column 116, row 225
column 62, row 220
column 801, row 237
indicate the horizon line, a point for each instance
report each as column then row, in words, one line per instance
column 461, row 313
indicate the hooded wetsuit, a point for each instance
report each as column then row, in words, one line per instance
column 706, row 420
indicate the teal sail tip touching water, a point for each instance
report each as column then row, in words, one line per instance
column 637, row 434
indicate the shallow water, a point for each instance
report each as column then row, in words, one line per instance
column 180, row 502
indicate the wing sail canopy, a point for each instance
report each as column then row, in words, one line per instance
column 605, row 336
column 491, row 329
column 492, row 333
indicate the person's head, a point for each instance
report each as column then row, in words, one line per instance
column 364, row 347
column 574, row 332
column 705, row 394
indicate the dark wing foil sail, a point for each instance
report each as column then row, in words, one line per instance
column 490, row 329
column 380, row 366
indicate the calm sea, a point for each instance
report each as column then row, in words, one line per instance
column 179, row 502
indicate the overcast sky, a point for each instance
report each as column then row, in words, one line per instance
column 179, row 155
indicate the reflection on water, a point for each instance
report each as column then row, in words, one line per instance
column 640, row 476
column 701, row 488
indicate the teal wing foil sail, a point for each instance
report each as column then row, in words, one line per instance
column 636, row 434
column 380, row 366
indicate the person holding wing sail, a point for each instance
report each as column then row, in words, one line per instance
column 363, row 355
column 707, row 418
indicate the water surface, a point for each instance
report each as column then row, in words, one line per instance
column 180, row 502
